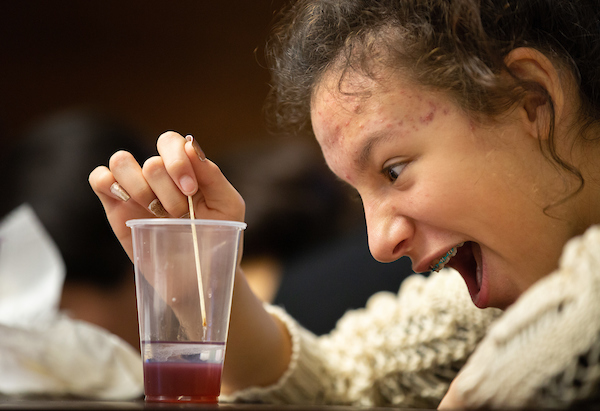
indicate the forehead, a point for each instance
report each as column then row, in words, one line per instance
column 340, row 99
column 348, row 88
column 354, row 112
column 350, row 103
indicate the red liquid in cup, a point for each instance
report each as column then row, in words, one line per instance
column 177, row 371
column 182, row 382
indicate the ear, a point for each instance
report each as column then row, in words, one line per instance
column 533, row 66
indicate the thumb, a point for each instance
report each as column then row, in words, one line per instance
column 214, row 189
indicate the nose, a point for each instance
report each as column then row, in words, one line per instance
column 389, row 231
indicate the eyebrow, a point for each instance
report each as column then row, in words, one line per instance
column 365, row 153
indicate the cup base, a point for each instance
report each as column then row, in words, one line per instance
column 182, row 399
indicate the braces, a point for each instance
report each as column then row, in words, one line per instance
column 443, row 260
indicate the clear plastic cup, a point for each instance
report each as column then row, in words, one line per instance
column 184, row 325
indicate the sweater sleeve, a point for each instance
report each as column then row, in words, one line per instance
column 544, row 351
column 400, row 349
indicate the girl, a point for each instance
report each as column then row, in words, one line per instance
column 469, row 129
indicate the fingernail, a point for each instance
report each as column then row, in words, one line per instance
column 196, row 146
column 186, row 215
column 119, row 192
column 157, row 208
column 188, row 185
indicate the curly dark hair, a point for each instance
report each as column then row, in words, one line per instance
column 457, row 46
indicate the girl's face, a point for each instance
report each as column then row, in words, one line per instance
column 433, row 181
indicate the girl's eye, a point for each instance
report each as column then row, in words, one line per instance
column 393, row 172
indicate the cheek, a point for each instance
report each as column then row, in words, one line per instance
column 444, row 192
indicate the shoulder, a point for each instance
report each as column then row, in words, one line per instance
column 582, row 254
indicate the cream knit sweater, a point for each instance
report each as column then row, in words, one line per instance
column 545, row 350
column 401, row 349
column 405, row 349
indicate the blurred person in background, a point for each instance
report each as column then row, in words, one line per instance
column 47, row 169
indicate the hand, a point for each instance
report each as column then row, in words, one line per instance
column 160, row 187
column 451, row 400
column 258, row 347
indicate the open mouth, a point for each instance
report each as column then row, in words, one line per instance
column 443, row 260
column 467, row 260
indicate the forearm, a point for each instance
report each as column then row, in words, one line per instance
column 258, row 347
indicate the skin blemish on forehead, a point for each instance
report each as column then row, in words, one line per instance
column 428, row 118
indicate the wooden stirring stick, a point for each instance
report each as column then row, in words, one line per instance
column 198, row 271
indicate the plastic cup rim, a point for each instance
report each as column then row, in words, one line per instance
column 183, row 221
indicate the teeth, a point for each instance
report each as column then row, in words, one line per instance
column 445, row 258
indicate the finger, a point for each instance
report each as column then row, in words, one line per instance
column 214, row 189
column 117, row 210
column 170, row 146
column 128, row 173
column 105, row 186
column 161, row 183
column 451, row 400
column 108, row 190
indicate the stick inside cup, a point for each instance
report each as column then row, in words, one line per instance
column 198, row 270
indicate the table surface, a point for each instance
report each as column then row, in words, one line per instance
column 51, row 404
column 8, row 403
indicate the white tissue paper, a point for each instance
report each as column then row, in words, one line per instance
column 43, row 351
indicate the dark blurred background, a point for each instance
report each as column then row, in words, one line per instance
column 80, row 79
column 191, row 65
